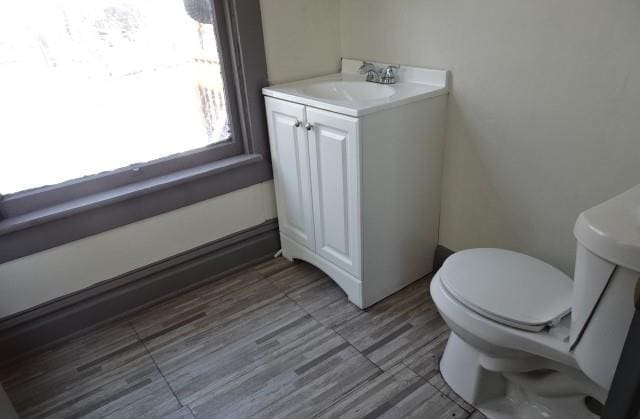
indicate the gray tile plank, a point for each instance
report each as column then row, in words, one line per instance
column 153, row 401
column 425, row 362
column 283, row 390
column 396, row 393
column 104, row 394
column 323, row 386
column 238, row 359
column 336, row 313
column 295, row 277
column 238, row 371
column 279, row 339
column 273, row 266
column 183, row 413
column 317, row 294
column 69, row 354
column 211, row 299
column 395, row 328
column 191, row 350
column 438, row 382
column 64, row 386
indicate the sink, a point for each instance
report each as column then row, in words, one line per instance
column 348, row 90
column 349, row 94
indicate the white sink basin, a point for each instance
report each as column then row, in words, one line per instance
column 348, row 90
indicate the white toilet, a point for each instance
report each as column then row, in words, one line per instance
column 527, row 341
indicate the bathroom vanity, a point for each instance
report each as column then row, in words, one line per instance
column 357, row 169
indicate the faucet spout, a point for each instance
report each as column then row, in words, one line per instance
column 366, row 67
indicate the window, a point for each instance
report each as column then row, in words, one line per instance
column 124, row 107
column 108, row 85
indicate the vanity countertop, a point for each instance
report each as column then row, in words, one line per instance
column 348, row 93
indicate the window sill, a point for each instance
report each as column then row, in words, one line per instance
column 49, row 227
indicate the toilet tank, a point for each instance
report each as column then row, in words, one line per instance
column 606, row 273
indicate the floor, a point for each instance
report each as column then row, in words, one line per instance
column 276, row 340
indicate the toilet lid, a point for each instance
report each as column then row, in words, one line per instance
column 508, row 287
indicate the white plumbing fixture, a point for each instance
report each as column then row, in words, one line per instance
column 527, row 341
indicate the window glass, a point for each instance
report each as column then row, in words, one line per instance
column 88, row 86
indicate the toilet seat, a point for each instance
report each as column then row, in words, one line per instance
column 508, row 287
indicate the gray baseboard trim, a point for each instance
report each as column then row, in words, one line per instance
column 441, row 254
column 63, row 317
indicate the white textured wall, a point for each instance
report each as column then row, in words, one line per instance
column 42, row 276
column 544, row 117
column 301, row 40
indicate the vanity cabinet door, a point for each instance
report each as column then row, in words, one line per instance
column 290, row 157
column 335, row 173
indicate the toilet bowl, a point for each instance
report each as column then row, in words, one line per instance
column 526, row 340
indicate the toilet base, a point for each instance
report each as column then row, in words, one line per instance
column 506, row 395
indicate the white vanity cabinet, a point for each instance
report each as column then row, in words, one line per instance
column 315, row 157
column 359, row 196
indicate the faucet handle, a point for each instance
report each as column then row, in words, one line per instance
column 389, row 74
column 366, row 67
column 390, row 71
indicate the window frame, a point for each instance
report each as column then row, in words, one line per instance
column 45, row 217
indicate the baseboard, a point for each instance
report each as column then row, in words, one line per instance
column 58, row 319
column 441, row 254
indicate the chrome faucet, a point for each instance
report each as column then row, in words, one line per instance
column 366, row 67
column 374, row 74
column 389, row 74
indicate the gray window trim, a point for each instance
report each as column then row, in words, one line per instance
column 38, row 219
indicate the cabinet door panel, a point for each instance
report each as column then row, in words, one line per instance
column 334, row 161
column 290, row 157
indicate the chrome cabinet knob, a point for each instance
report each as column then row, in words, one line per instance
column 297, row 123
column 308, row 126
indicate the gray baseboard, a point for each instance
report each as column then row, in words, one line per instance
column 63, row 317
column 441, row 254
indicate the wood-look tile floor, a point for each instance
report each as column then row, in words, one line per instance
column 276, row 340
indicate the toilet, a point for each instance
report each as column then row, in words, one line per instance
column 527, row 341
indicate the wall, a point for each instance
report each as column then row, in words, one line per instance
column 302, row 38
column 42, row 276
column 544, row 115
column 292, row 29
